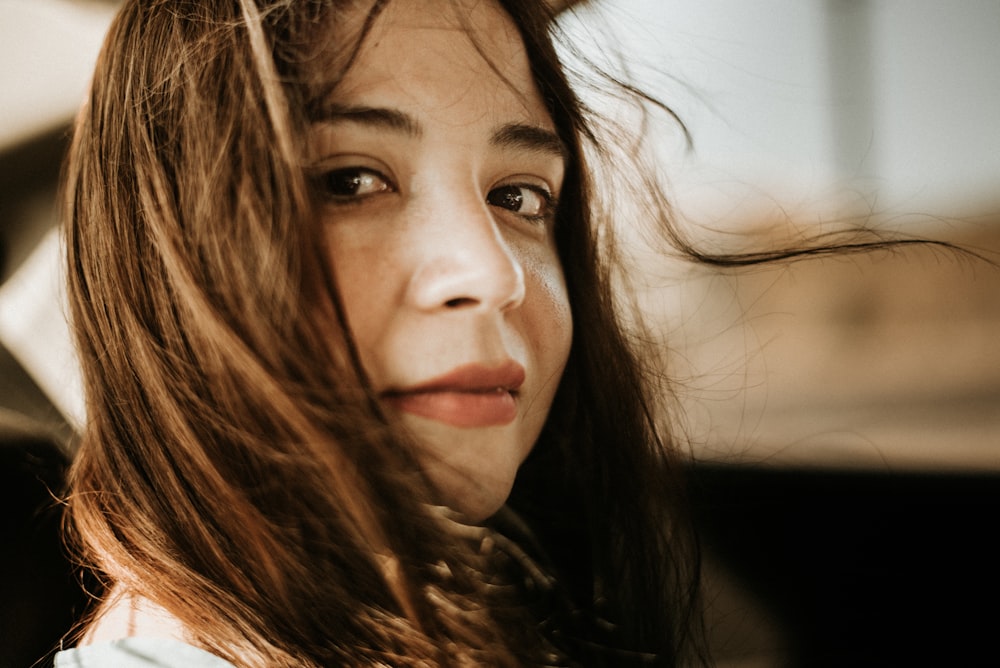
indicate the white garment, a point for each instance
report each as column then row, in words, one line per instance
column 139, row 652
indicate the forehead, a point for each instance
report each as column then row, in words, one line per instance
column 439, row 53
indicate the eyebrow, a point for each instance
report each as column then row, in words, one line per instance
column 530, row 138
column 520, row 136
column 378, row 117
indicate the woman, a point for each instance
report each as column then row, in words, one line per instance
column 357, row 391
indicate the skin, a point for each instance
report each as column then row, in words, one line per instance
column 440, row 183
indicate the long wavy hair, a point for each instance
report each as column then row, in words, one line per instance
column 235, row 467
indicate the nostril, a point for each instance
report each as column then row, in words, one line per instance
column 458, row 302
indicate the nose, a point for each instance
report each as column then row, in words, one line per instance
column 464, row 262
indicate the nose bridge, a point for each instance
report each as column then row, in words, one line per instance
column 463, row 259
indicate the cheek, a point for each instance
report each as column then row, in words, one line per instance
column 363, row 271
column 551, row 316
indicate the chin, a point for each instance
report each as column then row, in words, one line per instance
column 482, row 509
column 477, row 491
column 469, row 494
column 473, row 470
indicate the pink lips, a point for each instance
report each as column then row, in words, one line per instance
column 468, row 396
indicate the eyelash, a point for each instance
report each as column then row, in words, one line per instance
column 357, row 177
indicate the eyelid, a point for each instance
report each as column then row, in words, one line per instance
column 331, row 163
column 537, row 183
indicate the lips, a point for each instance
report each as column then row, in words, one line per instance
column 469, row 396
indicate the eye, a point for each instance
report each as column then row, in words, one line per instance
column 352, row 183
column 528, row 201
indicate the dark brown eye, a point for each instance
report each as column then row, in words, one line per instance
column 526, row 201
column 352, row 183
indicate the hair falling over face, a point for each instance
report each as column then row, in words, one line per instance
column 237, row 468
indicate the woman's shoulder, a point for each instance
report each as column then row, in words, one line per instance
column 139, row 652
column 130, row 631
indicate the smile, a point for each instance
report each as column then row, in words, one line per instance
column 469, row 396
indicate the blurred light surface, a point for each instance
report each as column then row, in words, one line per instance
column 893, row 102
column 47, row 50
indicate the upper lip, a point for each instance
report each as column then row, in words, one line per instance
column 475, row 377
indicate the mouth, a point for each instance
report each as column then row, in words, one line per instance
column 469, row 396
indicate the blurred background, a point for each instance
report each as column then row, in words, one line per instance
column 808, row 117
column 844, row 414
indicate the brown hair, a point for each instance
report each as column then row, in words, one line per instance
column 235, row 467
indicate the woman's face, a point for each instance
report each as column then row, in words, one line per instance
column 441, row 172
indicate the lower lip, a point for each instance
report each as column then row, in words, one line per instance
column 459, row 409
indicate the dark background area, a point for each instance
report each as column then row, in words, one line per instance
column 859, row 568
